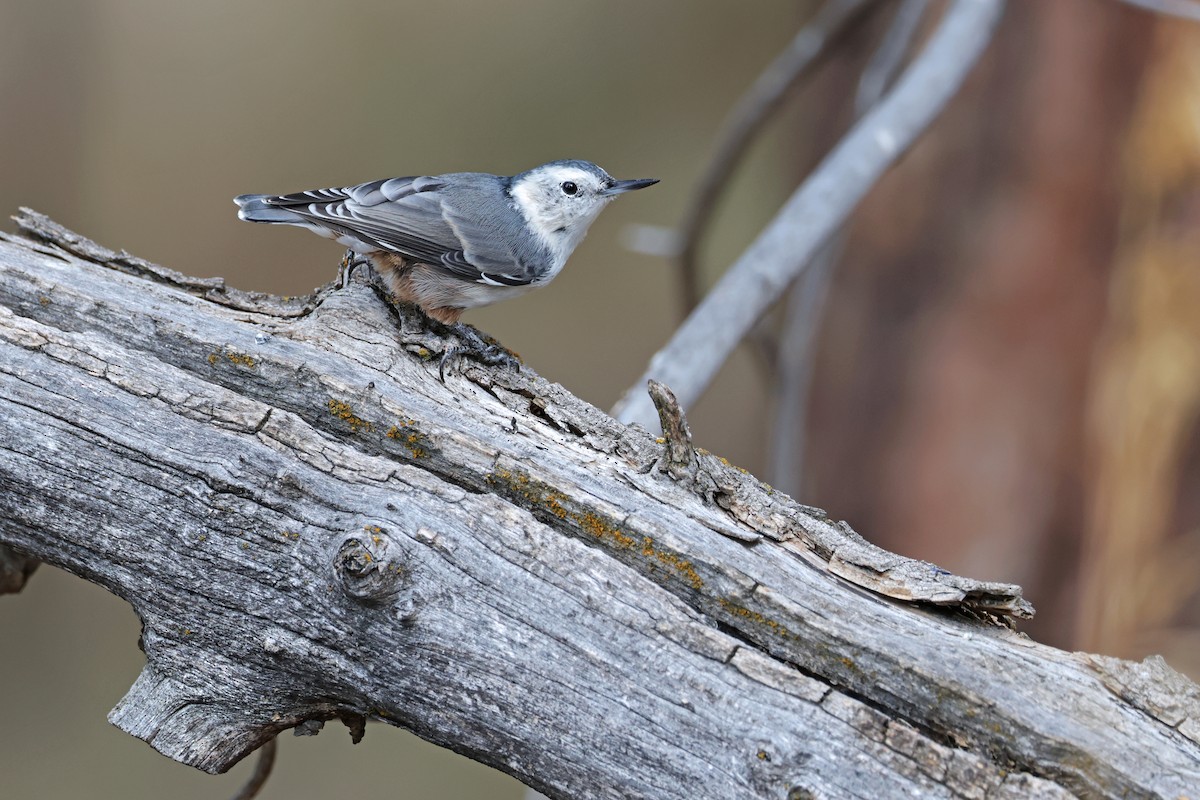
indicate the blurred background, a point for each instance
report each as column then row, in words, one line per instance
column 1007, row 372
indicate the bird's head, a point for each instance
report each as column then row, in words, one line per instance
column 560, row 200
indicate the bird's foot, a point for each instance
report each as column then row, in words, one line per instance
column 350, row 261
column 477, row 347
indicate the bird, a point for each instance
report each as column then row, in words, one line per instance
column 457, row 241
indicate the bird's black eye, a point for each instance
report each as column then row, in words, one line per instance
column 569, row 188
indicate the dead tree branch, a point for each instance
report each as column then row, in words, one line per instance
column 818, row 208
column 311, row 526
column 806, row 299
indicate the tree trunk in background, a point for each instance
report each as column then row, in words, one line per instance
column 952, row 381
column 1142, row 544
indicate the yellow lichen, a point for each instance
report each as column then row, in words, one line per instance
column 725, row 461
column 597, row 526
column 241, row 359
column 604, row 530
column 755, row 618
column 676, row 563
column 342, row 411
column 416, row 441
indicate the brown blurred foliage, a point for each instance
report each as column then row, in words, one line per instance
column 1007, row 379
column 1141, row 565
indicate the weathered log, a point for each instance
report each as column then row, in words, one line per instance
column 312, row 526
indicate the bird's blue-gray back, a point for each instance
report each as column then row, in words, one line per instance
column 462, row 221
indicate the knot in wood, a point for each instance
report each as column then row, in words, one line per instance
column 370, row 566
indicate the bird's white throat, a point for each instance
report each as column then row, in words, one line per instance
column 559, row 226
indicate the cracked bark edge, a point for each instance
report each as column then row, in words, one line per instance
column 171, row 719
column 755, row 509
column 1154, row 687
column 36, row 225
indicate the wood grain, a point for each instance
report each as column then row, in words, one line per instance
column 312, row 526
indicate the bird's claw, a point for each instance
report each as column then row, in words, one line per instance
column 351, row 260
column 477, row 349
column 490, row 356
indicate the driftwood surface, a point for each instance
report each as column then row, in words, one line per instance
column 311, row 526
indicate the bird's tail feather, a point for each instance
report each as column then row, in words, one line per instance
column 254, row 208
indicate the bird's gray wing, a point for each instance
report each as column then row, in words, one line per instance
column 409, row 216
column 484, row 221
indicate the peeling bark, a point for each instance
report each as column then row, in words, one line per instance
column 312, row 526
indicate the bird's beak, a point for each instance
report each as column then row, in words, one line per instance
column 620, row 187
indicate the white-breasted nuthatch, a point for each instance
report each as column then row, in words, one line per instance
column 456, row 241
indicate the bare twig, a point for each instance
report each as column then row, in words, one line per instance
column 747, row 117
column 794, row 374
column 886, row 60
column 262, row 771
column 806, row 300
column 815, row 211
column 1184, row 9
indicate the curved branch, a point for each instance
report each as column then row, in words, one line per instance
column 745, row 119
column 819, row 207
column 806, row 299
